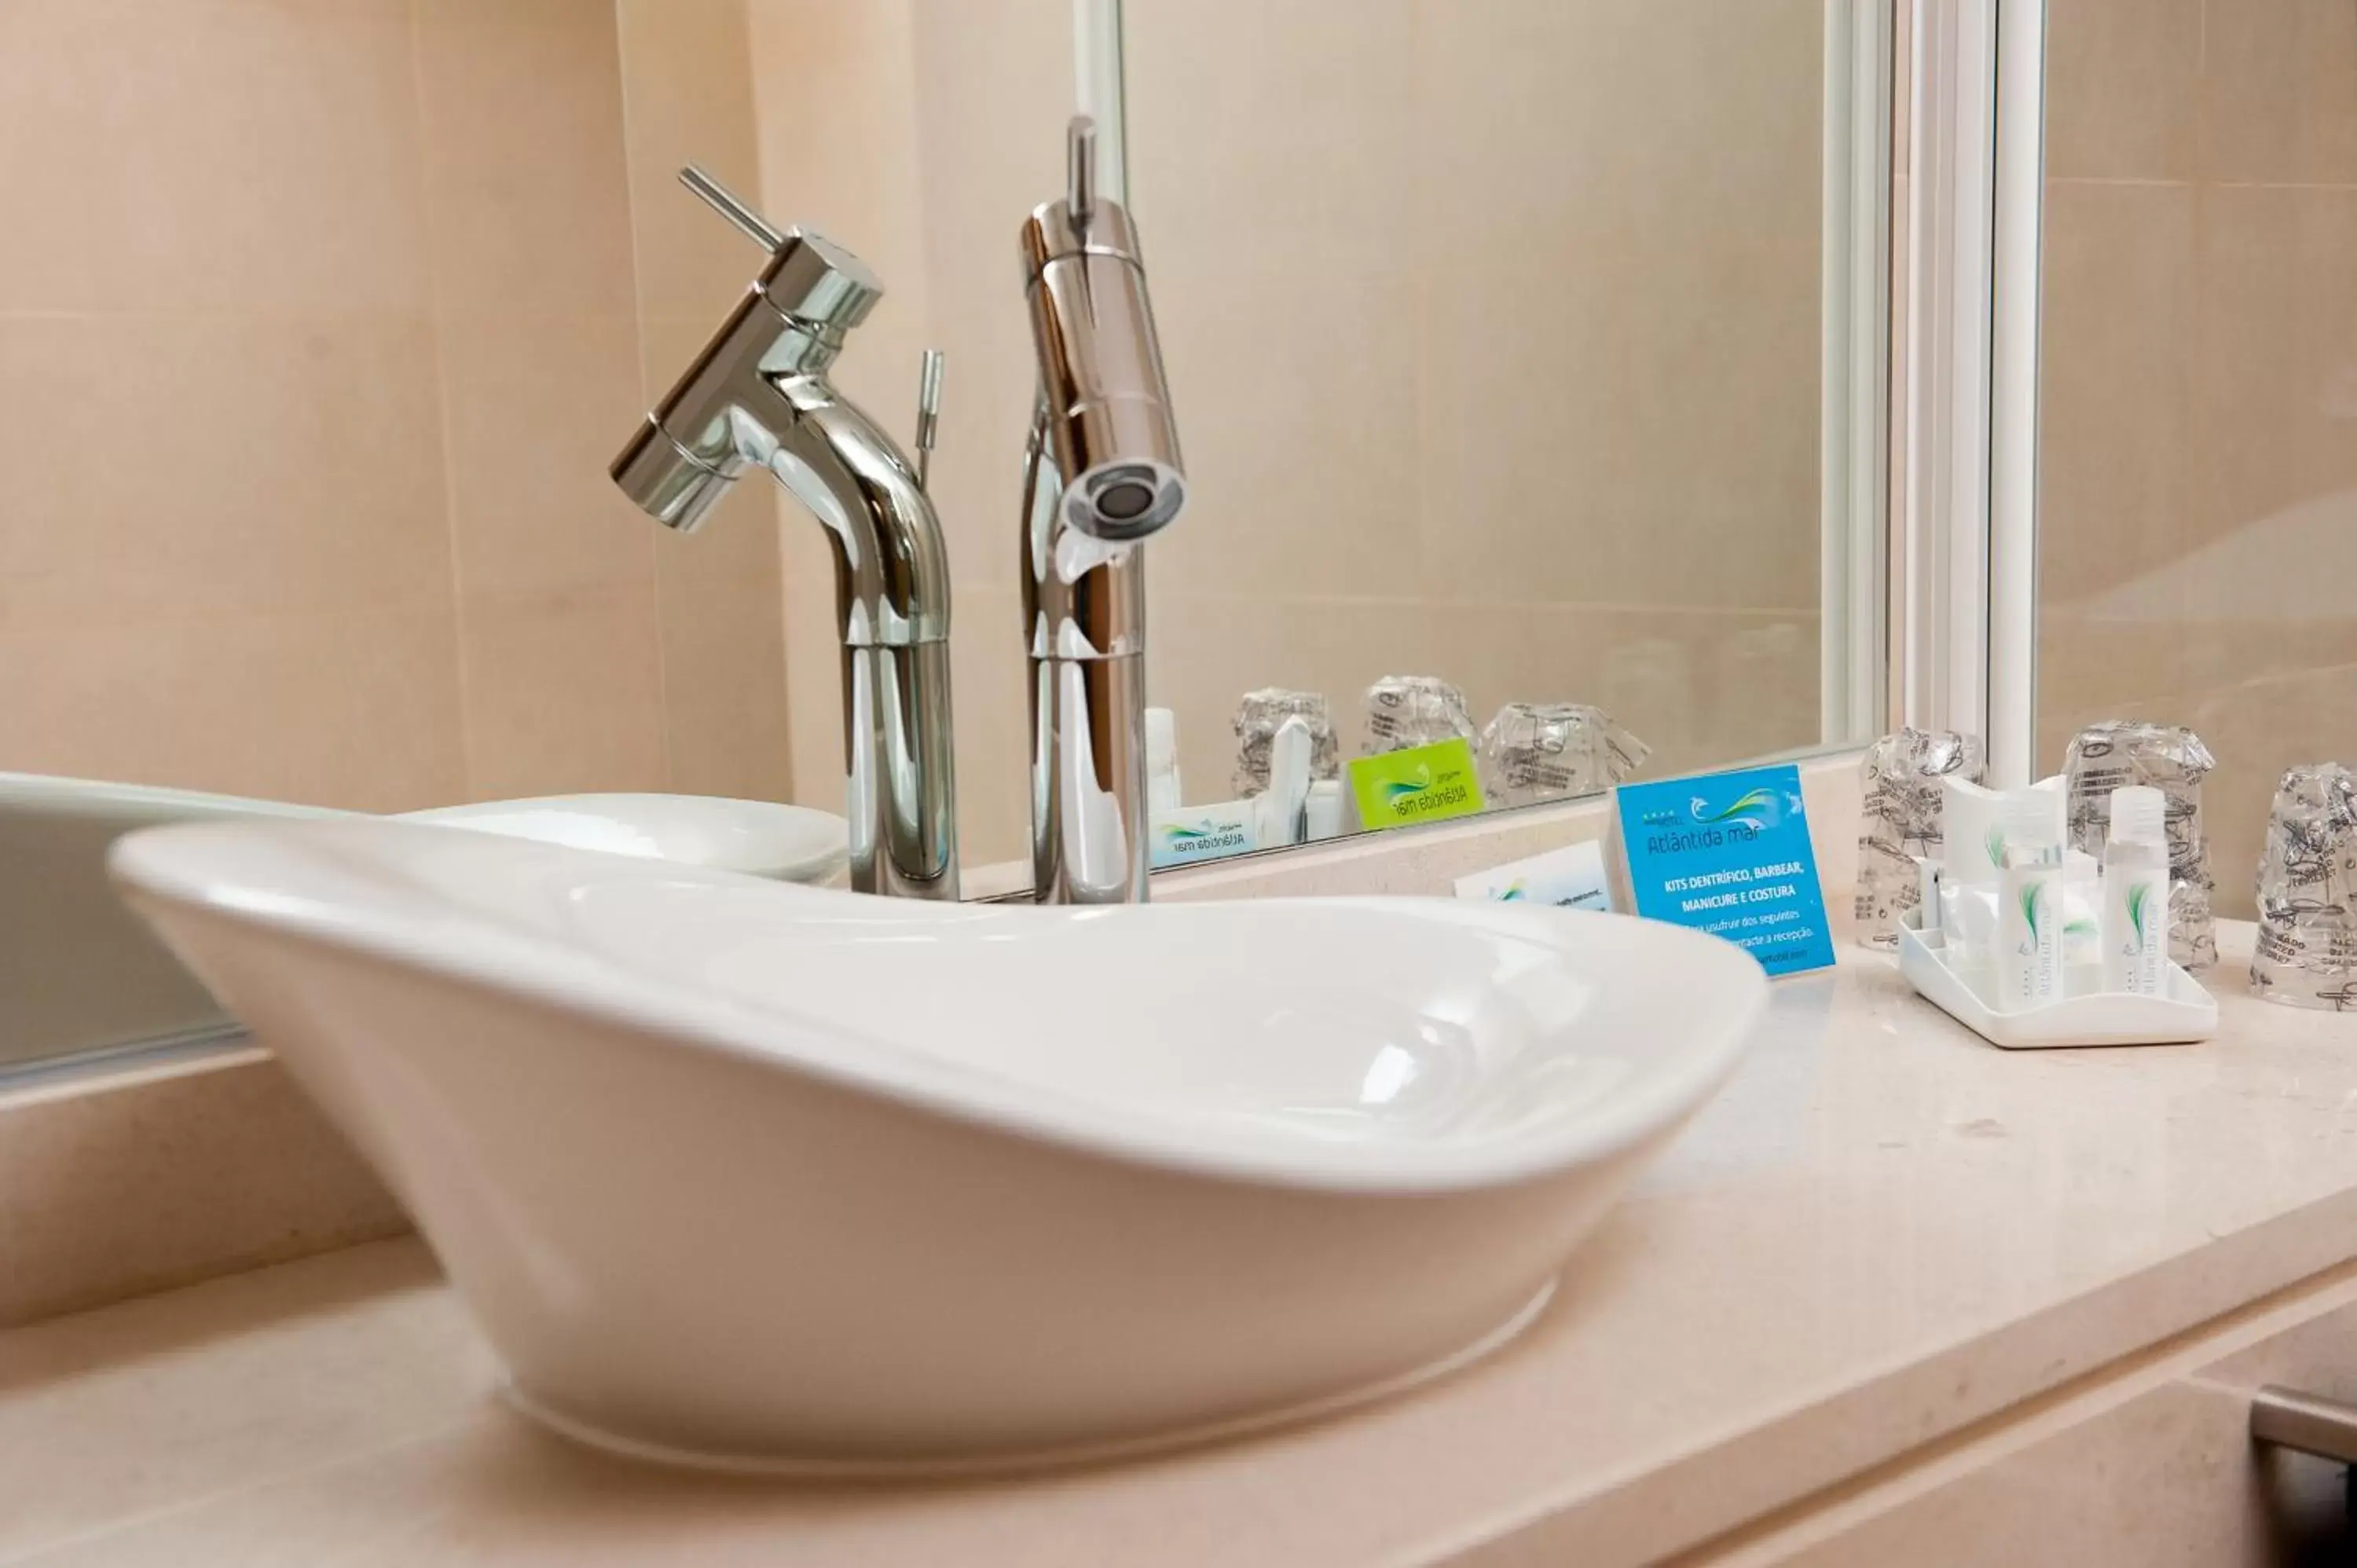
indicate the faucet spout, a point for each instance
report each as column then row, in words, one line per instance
column 892, row 606
column 892, row 574
column 758, row 396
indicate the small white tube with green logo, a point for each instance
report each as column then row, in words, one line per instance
column 2135, row 893
column 2029, row 904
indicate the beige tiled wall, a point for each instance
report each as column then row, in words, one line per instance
column 1493, row 329
column 319, row 322
column 688, row 91
column 2199, row 444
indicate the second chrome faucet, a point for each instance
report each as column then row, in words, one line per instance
column 1101, row 472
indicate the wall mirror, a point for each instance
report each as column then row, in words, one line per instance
column 1534, row 348
column 1531, row 346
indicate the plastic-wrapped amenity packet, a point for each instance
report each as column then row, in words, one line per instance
column 1414, row 710
column 1544, row 751
column 2307, row 953
column 1258, row 717
column 1904, row 797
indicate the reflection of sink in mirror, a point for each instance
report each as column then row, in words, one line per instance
column 78, row 974
column 740, row 1172
column 759, row 838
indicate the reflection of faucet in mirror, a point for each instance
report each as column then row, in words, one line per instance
column 1100, row 473
column 759, row 394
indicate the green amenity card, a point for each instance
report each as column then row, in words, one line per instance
column 1423, row 784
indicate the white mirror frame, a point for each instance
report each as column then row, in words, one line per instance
column 1097, row 88
column 1854, row 467
column 1964, row 423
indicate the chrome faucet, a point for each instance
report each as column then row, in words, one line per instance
column 758, row 395
column 1100, row 473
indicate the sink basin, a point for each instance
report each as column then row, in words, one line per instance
column 771, row 1177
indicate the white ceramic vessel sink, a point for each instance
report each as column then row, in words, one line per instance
column 760, row 838
column 765, row 1176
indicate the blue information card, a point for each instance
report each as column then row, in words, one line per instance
column 1729, row 853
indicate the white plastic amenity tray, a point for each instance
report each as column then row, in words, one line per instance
column 2087, row 1014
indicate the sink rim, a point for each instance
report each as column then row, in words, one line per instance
column 328, row 881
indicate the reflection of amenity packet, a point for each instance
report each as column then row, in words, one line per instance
column 2171, row 758
column 1542, row 751
column 1257, row 716
column 1902, row 818
column 2306, row 955
column 1414, row 710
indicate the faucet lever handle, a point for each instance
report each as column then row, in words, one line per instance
column 928, row 411
column 724, row 201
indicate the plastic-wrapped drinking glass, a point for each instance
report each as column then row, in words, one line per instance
column 1257, row 715
column 1905, row 796
column 1414, row 710
column 2307, row 952
column 1545, row 751
column 2171, row 758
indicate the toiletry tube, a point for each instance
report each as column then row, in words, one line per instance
column 1967, row 915
column 1162, row 791
column 2136, row 892
column 1326, row 812
column 2029, row 907
column 2082, row 910
column 1282, row 806
column 1926, row 894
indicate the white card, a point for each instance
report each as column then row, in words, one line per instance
column 1572, row 877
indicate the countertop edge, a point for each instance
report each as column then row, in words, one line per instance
column 1692, row 1500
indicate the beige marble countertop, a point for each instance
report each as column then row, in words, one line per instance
column 1883, row 1230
